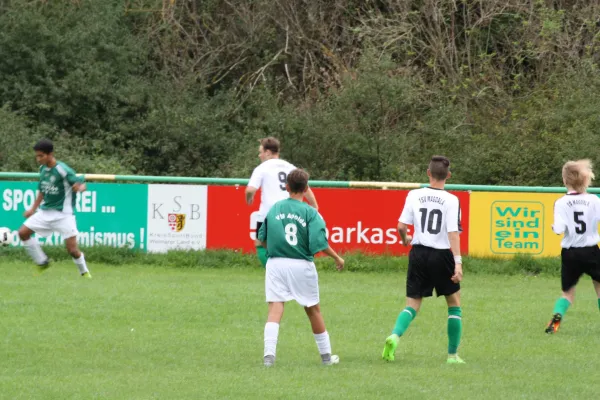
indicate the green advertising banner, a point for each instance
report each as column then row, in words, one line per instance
column 107, row 214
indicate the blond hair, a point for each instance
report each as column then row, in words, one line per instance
column 578, row 175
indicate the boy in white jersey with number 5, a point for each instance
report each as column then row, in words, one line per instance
column 434, row 260
column 270, row 177
column 576, row 215
column 293, row 232
column 56, row 202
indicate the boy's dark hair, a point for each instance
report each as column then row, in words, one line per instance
column 270, row 144
column 45, row 146
column 439, row 167
column 297, row 180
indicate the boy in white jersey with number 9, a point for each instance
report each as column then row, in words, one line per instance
column 56, row 202
column 434, row 260
column 293, row 232
column 271, row 177
column 576, row 215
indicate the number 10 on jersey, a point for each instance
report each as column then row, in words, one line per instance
column 433, row 220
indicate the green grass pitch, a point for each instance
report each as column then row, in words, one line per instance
column 139, row 332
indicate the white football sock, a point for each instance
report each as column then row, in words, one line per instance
column 271, row 334
column 80, row 262
column 35, row 251
column 323, row 343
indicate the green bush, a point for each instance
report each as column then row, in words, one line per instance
column 355, row 90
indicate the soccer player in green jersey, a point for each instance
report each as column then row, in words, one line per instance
column 293, row 232
column 54, row 204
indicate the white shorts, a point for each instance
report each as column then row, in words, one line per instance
column 46, row 222
column 291, row 279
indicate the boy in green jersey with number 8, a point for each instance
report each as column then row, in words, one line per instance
column 293, row 232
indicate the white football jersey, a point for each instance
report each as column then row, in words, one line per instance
column 433, row 213
column 270, row 177
column 577, row 216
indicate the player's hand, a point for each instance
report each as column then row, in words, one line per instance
column 339, row 263
column 458, row 273
column 81, row 187
column 29, row 213
column 408, row 241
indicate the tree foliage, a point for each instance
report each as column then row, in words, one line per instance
column 364, row 90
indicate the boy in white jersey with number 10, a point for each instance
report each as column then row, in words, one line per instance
column 576, row 215
column 434, row 260
column 270, row 177
column 56, row 202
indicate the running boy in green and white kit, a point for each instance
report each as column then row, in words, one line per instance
column 576, row 215
column 56, row 202
column 293, row 232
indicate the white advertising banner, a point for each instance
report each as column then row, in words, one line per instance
column 176, row 217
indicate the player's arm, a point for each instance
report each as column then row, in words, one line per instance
column 317, row 240
column 39, row 198
column 454, row 238
column 79, row 187
column 263, row 243
column 36, row 204
column 312, row 200
column 403, row 232
column 559, row 225
column 253, row 185
column 250, row 193
column 339, row 261
column 453, row 224
column 76, row 182
column 406, row 218
column 262, row 233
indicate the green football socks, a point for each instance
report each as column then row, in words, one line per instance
column 454, row 329
column 261, row 252
column 598, row 304
column 561, row 306
column 403, row 321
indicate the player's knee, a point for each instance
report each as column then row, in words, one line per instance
column 24, row 234
column 73, row 251
column 453, row 300
column 414, row 303
column 75, row 255
column 569, row 296
column 313, row 310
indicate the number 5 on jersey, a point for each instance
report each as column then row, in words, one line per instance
column 581, row 225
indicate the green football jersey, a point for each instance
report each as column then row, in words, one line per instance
column 293, row 229
column 56, row 184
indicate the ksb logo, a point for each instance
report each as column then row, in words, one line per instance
column 191, row 211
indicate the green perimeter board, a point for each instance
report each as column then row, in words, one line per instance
column 108, row 214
